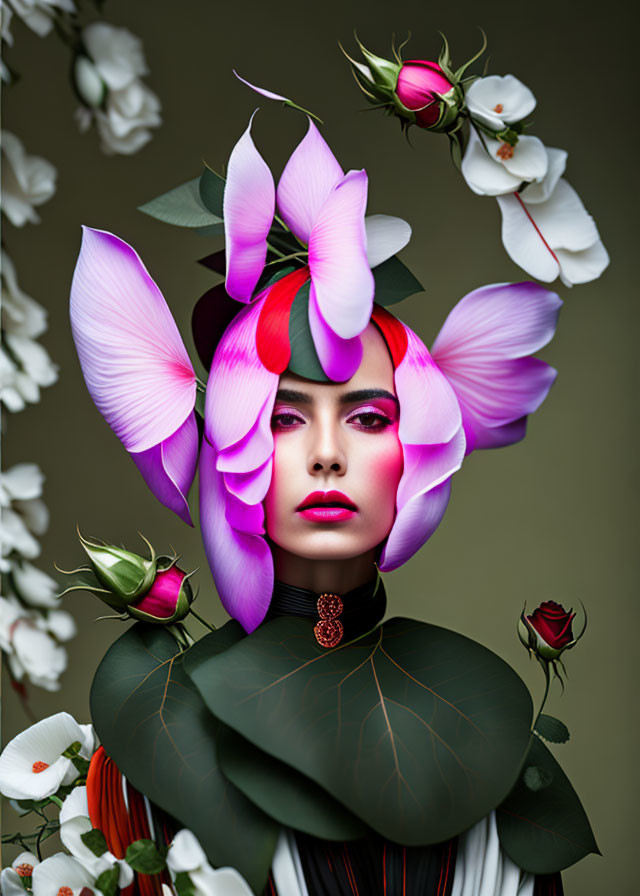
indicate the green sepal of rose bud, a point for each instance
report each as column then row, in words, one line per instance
column 123, row 573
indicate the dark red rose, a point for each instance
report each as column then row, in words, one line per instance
column 553, row 623
column 547, row 631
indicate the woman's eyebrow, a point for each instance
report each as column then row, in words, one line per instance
column 368, row 395
column 293, row 396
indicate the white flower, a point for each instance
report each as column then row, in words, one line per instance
column 21, row 314
column 549, row 233
column 32, row 766
column 22, row 512
column 38, row 14
column 34, row 586
column 5, row 35
column 27, row 181
column 186, row 854
column 116, row 53
column 58, row 623
column 497, row 101
column 30, row 650
column 124, row 126
column 74, row 822
column 108, row 80
column 58, row 873
column 492, row 168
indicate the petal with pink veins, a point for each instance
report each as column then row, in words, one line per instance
column 429, row 408
column 250, row 487
column 306, row 183
column 339, row 358
column 248, row 209
column 269, row 94
column 414, row 525
column 239, row 385
column 170, row 467
column 484, row 349
column 240, row 561
column 341, row 276
column 254, row 449
column 134, row 362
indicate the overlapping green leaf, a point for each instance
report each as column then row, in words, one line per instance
column 304, row 359
column 211, row 189
column 544, row 830
column 155, row 726
column 417, row 730
column 552, row 729
column 394, row 282
column 283, row 793
column 181, row 206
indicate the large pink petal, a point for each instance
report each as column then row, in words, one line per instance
column 306, row 183
column 254, row 449
column 248, row 208
column 340, row 272
column 414, row 525
column 240, row 561
column 429, row 410
column 134, row 362
column 239, row 386
column 339, row 358
column 169, row 468
column 250, row 487
column 484, row 349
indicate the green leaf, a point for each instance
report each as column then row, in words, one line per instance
column 216, row 229
column 95, row 841
column 271, row 275
column 283, row 793
column 154, row 725
column 145, row 857
column 72, row 750
column 283, row 240
column 107, row 882
column 211, row 189
column 304, row 359
column 417, row 730
column 181, row 206
column 183, row 884
column 537, row 778
column 552, row 729
column 545, row 830
column 394, row 282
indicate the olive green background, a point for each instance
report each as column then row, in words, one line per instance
column 550, row 518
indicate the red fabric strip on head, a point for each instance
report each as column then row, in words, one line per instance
column 393, row 331
column 272, row 332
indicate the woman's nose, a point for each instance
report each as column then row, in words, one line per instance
column 327, row 452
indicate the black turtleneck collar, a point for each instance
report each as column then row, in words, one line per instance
column 339, row 617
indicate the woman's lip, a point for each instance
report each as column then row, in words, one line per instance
column 327, row 513
column 321, row 500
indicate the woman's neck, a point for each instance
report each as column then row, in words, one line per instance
column 335, row 576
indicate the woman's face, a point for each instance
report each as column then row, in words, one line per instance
column 337, row 460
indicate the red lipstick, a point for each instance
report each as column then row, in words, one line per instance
column 327, row 507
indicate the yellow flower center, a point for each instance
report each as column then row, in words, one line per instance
column 39, row 766
column 505, row 151
column 498, row 108
column 65, row 891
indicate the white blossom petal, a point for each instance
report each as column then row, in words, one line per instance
column 498, row 100
column 43, row 742
column 386, row 235
column 484, row 175
column 118, row 54
column 34, row 586
column 540, row 191
column 60, row 870
column 527, row 160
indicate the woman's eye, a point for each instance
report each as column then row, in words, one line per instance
column 371, row 420
column 285, row 420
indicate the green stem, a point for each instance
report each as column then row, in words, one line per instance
column 202, row 621
column 547, row 677
column 286, row 258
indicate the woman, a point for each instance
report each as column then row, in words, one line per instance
column 330, row 438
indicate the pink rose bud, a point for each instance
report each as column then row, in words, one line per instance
column 167, row 600
column 421, row 87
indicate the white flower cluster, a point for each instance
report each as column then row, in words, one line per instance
column 33, row 767
column 32, row 627
column 546, row 229
column 108, row 79
column 37, row 14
